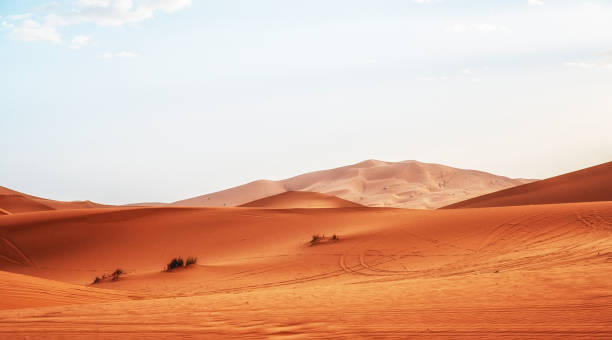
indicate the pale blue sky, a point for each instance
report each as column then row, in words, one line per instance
column 159, row 100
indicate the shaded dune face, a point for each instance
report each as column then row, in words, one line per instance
column 408, row 184
column 586, row 185
column 301, row 199
column 15, row 202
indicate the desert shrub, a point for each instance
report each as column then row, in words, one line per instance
column 317, row 238
column 115, row 275
column 176, row 262
column 191, row 260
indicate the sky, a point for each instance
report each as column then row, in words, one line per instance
column 121, row 101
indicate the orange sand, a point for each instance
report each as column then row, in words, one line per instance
column 16, row 202
column 586, row 185
column 535, row 271
column 301, row 199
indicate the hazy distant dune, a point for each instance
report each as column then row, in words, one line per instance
column 407, row 184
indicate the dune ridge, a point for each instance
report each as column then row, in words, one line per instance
column 301, row 199
column 587, row 185
column 16, row 202
column 407, row 184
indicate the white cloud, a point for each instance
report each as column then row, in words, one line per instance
column 19, row 16
column 26, row 27
column 79, row 41
column 122, row 54
column 603, row 62
column 535, row 2
column 120, row 12
column 485, row 28
column 30, row 30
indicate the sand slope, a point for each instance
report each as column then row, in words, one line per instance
column 22, row 291
column 511, row 272
column 16, row 202
column 408, row 184
column 586, row 185
column 301, row 199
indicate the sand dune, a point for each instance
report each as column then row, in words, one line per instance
column 586, row 185
column 301, row 199
column 22, row 291
column 514, row 272
column 16, row 202
column 408, row 184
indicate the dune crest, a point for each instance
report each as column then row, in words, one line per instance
column 374, row 183
column 15, row 202
column 301, row 199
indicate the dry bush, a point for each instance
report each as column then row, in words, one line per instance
column 191, row 260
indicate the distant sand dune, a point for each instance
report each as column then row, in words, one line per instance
column 408, row 184
column 16, row 202
column 301, row 199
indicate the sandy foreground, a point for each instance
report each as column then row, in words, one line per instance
column 509, row 272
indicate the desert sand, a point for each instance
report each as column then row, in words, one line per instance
column 300, row 199
column 15, row 202
column 534, row 271
column 586, row 185
column 407, row 184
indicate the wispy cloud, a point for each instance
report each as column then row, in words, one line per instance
column 27, row 27
column 31, row 30
column 535, row 2
column 120, row 12
column 122, row 54
column 483, row 27
column 604, row 61
column 79, row 41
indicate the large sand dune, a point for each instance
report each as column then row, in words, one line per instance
column 408, row 184
column 16, row 202
column 510, row 272
column 586, row 185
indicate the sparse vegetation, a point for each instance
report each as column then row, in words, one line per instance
column 175, row 263
column 114, row 276
column 178, row 262
column 191, row 260
column 316, row 238
column 319, row 238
